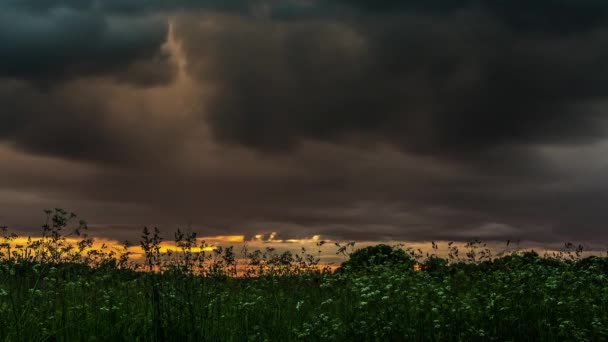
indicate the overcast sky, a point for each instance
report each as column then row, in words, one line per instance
column 350, row 119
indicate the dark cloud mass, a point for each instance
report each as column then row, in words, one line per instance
column 440, row 83
column 62, row 122
column 68, row 43
column 523, row 16
column 353, row 119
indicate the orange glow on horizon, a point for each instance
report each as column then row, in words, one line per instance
column 225, row 238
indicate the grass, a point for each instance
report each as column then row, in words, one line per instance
column 51, row 292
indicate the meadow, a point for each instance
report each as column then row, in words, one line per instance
column 54, row 290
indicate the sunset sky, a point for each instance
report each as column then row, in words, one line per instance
column 367, row 120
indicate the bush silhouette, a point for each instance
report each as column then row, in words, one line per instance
column 378, row 255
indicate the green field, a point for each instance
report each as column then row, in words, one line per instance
column 51, row 292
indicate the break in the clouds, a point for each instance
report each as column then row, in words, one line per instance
column 349, row 119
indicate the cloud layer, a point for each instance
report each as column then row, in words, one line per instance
column 452, row 83
column 352, row 119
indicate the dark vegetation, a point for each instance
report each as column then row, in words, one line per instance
column 51, row 290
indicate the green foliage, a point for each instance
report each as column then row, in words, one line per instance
column 368, row 258
column 49, row 293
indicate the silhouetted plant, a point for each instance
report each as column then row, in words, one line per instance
column 51, row 290
column 150, row 243
column 378, row 255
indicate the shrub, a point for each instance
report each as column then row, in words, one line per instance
column 379, row 255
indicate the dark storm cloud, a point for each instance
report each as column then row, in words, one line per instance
column 413, row 120
column 446, row 80
column 338, row 192
column 50, row 49
column 66, row 43
column 57, row 122
column 131, row 6
column 51, row 40
column 95, row 121
column 524, row 16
